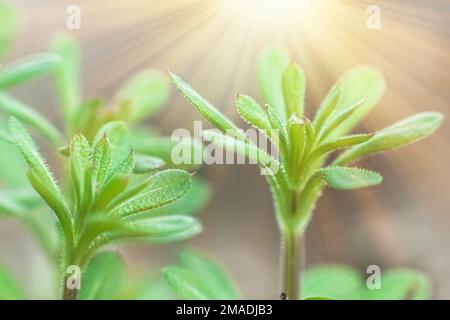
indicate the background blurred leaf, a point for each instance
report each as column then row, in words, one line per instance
column 143, row 94
column 333, row 281
column 27, row 68
column 9, row 21
column 29, row 116
column 9, row 289
column 67, row 77
column 401, row 284
column 198, row 277
column 103, row 277
column 271, row 65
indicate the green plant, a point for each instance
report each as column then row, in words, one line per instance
column 103, row 164
column 304, row 166
column 197, row 277
column 105, row 208
column 200, row 278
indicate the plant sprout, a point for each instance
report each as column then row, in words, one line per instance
column 107, row 155
column 305, row 145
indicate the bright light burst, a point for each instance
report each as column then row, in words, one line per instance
column 265, row 10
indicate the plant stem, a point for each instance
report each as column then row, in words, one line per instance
column 291, row 265
column 69, row 294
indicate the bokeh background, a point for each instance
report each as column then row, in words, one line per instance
column 214, row 44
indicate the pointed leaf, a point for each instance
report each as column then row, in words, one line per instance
column 348, row 178
column 144, row 94
column 164, row 187
column 404, row 132
column 30, row 117
column 328, row 106
column 253, row 113
column 214, row 116
column 30, row 153
column 271, row 65
column 342, row 142
column 249, row 150
column 101, row 160
column 120, row 139
column 189, row 204
column 362, row 83
column 103, row 277
column 157, row 229
column 293, row 82
column 337, row 119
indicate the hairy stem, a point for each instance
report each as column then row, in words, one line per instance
column 291, row 265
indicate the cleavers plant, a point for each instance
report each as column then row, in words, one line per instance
column 304, row 145
column 110, row 188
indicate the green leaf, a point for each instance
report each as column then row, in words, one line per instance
column 348, row 178
column 101, row 160
column 125, row 167
column 293, row 82
column 146, row 164
column 9, row 17
column 9, row 288
column 328, row 106
column 27, row 69
column 30, row 153
column 120, row 139
column 401, row 284
column 250, row 151
column 214, row 116
column 318, row 298
column 362, row 83
column 103, row 277
column 339, row 143
column 158, row 229
column 27, row 115
column 163, row 188
column 185, row 284
column 144, row 94
column 189, row 204
column 253, row 113
column 404, row 132
column 153, row 287
column 80, row 161
column 337, row 119
column 67, row 77
column 271, row 65
column 18, row 201
column 12, row 165
column 39, row 175
column 331, row 281
column 109, row 191
column 214, row 278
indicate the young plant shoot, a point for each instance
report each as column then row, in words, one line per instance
column 305, row 145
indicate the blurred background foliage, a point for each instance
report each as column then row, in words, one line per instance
column 213, row 44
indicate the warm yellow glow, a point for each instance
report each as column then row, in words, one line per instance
column 267, row 10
